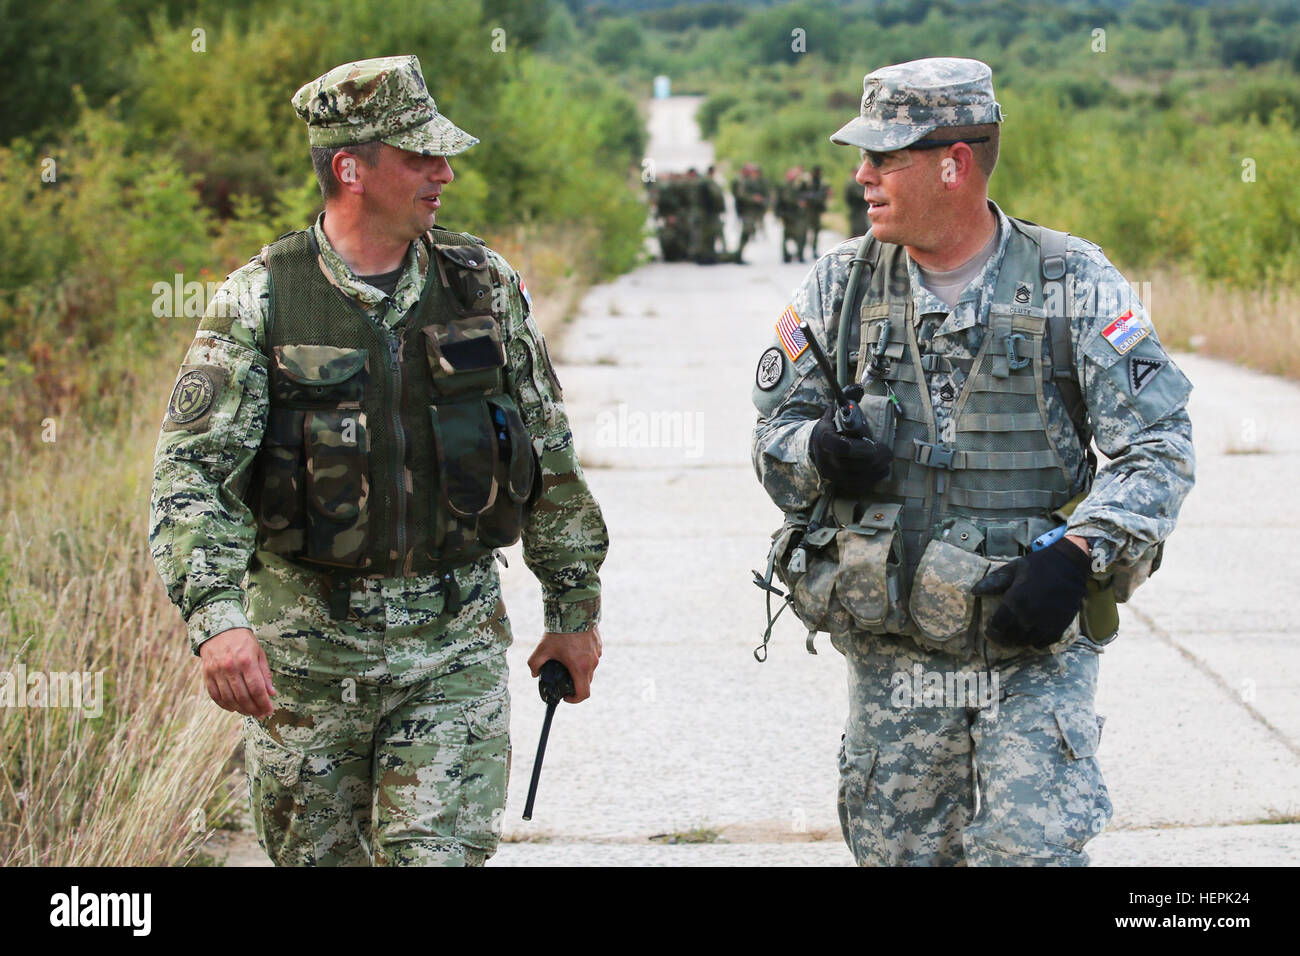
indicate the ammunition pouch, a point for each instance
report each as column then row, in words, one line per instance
column 941, row 603
column 882, row 415
column 314, row 478
column 847, row 575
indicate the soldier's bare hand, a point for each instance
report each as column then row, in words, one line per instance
column 236, row 673
column 579, row 652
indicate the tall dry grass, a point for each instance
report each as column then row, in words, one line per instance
column 1259, row 328
column 143, row 783
column 558, row 267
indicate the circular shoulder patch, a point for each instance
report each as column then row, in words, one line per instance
column 191, row 397
column 771, row 366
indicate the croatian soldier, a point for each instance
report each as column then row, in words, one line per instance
column 749, row 190
column 367, row 413
column 815, row 195
column 712, row 204
column 792, row 210
column 987, row 352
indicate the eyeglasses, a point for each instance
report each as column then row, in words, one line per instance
column 896, row 159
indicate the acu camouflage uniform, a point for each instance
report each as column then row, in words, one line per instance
column 909, row 773
column 389, row 741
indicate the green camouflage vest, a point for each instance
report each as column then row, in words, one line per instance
column 389, row 452
column 903, row 560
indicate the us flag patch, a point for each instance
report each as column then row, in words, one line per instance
column 787, row 330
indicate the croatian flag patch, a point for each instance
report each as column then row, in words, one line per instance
column 523, row 290
column 1125, row 332
column 787, row 330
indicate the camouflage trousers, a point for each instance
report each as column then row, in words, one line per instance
column 749, row 226
column 942, row 767
column 794, row 231
column 389, row 744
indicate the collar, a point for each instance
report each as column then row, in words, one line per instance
column 340, row 274
column 972, row 306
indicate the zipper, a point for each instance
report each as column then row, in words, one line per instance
column 399, row 451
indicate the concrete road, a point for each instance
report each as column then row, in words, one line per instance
column 692, row 753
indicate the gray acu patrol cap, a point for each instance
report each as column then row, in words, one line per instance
column 382, row 99
column 907, row 101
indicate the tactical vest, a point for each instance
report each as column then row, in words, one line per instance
column 389, row 452
column 903, row 559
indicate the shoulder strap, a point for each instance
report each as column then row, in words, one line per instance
column 1051, row 265
column 1052, row 270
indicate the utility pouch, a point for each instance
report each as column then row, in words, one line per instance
column 880, row 413
column 851, row 576
column 1099, row 619
column 812, row 591
column 467, row 276
column 488, row 472
column 314, row 466
column 868, row 581
column 519, row 477
column 806, row 564
column 465, row 445
column 338, row 487
column 941, row 603
column 465, row 355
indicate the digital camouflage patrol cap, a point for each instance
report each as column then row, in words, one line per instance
column 907, row 101
column 383, row 99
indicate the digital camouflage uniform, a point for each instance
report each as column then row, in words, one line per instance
column 910, row 773
column 389, row 743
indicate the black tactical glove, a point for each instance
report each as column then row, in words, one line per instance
column 1043, row 592
column 852, row 463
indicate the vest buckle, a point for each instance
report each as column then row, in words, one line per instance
column 931, row 362
column 932, row 456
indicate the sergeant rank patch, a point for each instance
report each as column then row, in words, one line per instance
column 771, row 366
column 1141, row 371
